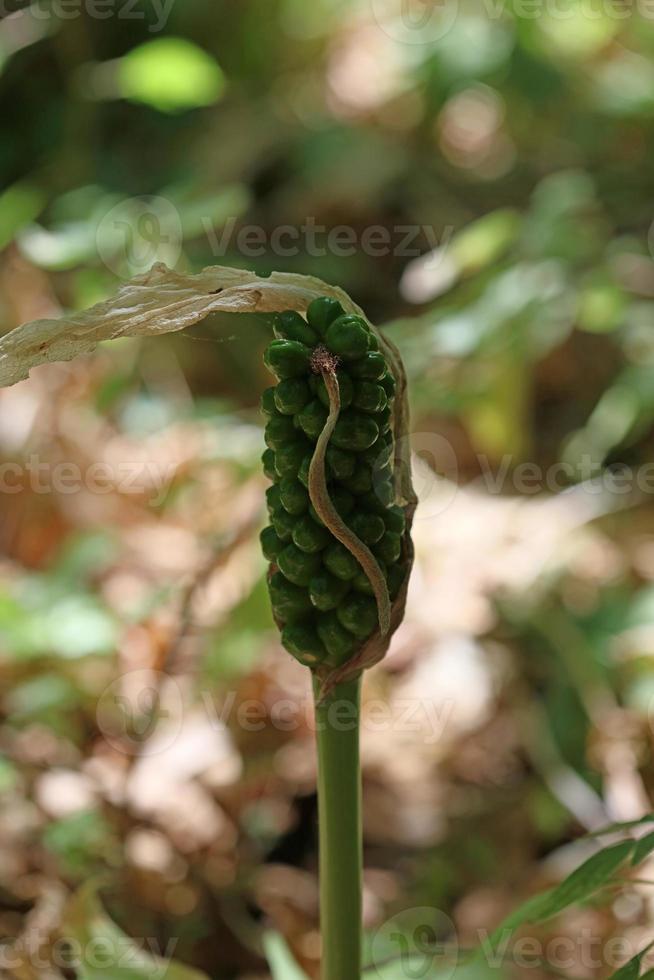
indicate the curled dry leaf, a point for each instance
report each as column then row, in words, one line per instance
column 163, row 301
column 160, row 301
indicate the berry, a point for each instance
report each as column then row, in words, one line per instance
column 304, row 643
column 291, row 396
column 271, row 543
column 297, row 566
column 287, row 358
column 338, row 560
column 291, row 326
column 347, row 337
column 326, row 591
column 340, row 644
column 358, row 614
column 309, row 536
column 322, row 312
column 321, row 597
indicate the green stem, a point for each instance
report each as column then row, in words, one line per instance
column 339, row 810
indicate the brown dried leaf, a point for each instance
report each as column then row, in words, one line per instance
column 160, row 301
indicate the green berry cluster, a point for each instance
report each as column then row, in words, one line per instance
column 320, row 595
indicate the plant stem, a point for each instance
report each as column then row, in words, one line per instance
column 339, row 811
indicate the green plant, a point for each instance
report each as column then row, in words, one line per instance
column 341, row 507
column 340, row 556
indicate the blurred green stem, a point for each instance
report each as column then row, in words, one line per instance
column 339, row 810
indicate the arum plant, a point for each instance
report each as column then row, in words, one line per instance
column 340, row 556
column 340, row 504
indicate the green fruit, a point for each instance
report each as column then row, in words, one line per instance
column 322, row 312
column 384, row 418
column 287, row 358
column 369, row 528
column 339, row 462
column 271, row 543
column 273, row 500
column 314, row 514
column 291, row 396
column 388, row 384
column 358, row 614
column 395, row 520
column 279, row 431
column 368, row 397
column 326, row 591
column 303, row 642
column 340, row 644
column 347, row 337
column 361, row 582
column 289, row 457
column 360, row 481
column 309, row 536
column 354, row 431
column 283, row 522
column 291, row 326
column 297, row 566
column 268, row 460
column 312, row 419
column 294, row 496
column 395, row 579
column 288, row 601
column 320, row 594
column 342, row 500
column 384, row 491
column 303, row 472
column 345, row 389
column 389, row 548
column 371, row 502
column 382, row 473
column 372, row 366
column 268, row 406
column 338, row 560
column 379, row 454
